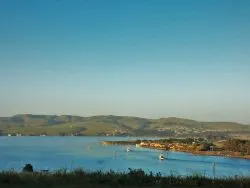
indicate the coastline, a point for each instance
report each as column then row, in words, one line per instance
column 191, row 149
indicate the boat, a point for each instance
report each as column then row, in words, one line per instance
column 128, row 150
column 161, row 157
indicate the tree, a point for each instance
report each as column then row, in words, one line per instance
column 205, row 146
column 28, row 168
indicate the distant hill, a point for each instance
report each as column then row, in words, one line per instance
column 29, row 124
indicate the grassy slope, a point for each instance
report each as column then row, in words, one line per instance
column 225, row 125
column 53, row 125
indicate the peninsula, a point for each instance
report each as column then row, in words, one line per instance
column 198, row 146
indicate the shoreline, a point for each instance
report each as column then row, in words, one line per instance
column 157, row 146
column 205, row 153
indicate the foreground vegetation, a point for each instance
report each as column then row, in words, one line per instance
column 134, row 178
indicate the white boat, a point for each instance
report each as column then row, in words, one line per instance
column 161, row 157
column 128, row 150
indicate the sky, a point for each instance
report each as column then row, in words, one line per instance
column 146, row 58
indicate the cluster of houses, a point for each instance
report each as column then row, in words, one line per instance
column 17, row 134
column 181, row 130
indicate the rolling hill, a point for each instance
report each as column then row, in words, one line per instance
column 29, row 124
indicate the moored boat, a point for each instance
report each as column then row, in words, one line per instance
column 128, row 149
column 161, row 157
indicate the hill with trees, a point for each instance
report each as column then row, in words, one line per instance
column 29, row 124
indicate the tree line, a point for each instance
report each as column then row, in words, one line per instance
column 236, row 145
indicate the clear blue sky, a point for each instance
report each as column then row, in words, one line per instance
column 148, row 58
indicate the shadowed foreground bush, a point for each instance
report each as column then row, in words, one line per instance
column 134, row 178
column 28, row 168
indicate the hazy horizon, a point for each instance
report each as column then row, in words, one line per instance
column 93, row 115
column 188, row 59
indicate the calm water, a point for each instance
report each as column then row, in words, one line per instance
column 72, row 152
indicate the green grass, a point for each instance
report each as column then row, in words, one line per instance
column 134, row 178
column 53, row 125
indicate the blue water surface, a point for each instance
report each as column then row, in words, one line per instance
column 53, row 153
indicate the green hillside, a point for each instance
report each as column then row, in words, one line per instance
column 29, row 124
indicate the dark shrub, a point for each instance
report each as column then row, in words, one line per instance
column 28, row 168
